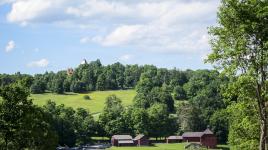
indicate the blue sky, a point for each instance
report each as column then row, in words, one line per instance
column 52, row 35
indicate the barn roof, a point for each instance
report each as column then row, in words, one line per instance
column 197, row 134
column 207, row 131
column 138, row 137
column 125, row 142
column 192, row 134
column 174, row 137
column 122, row 137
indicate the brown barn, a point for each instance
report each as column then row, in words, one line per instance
column 174, row 139
column 141, row 140
column 206, row 138
column 122, row 140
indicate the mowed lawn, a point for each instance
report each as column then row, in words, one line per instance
column 177, row 146
column 161, row 146
column 74, row 100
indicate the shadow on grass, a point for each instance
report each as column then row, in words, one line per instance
column 69, row 94
column 223, row 148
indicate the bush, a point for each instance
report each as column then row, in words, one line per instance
column 86, row 97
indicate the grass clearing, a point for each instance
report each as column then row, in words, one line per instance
column 162, row 146
column 75, row 100
column 177, row 146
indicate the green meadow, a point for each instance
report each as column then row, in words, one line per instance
column 75, row 100
column 177, row 146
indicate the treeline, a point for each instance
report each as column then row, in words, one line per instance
column 94, row 76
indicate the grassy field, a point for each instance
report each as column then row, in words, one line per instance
column 155, row 147
column 177, row 146
column 75, row 100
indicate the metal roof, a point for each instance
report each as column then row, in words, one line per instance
column 207, row 131
column 192, row 134
column 125, row 142
column 197, row 134
column 174, row 137
column 122, row 137
column 139, row 137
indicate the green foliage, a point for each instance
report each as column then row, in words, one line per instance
column 101, row 82
column 111, row 117
column 160, row 121
column 38, row 87
column 243, row 126
column 140, row 118
column 78, row 87
column 72, row 127
column 23, row 125
column 179, row 93
column 240, row 50
column 219, row 122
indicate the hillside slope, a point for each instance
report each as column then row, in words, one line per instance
column 74, row 100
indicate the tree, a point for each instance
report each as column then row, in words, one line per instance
column 240, row 48
column 22, row 125
column 85, row 126
column 160, row 125
column 78, row 87
column 38, row 87
column 101, row 82
column 111, row 117
column 219, row 122
column 141, row 121
column 62, row 120
column 58, row 86
column 179, row 93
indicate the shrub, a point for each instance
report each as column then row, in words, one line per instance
column 86, row 97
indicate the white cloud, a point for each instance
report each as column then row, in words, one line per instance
column 39, row 63
column 174, row 26
column 10, row 46
column 122, row 35
column 26, row 11
column 92, row 8
column 125, row 57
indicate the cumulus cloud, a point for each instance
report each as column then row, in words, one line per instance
column 27, row 11
column 39, row 63
column 10, row 46
column 174, row 26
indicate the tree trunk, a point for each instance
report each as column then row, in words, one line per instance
column 261, row 90
column 263, row 127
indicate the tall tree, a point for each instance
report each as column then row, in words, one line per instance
column 22, row 125
column 240, row 48
column 111, row 117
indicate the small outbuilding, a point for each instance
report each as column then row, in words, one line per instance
column 174, row 139
column 141, row 140
column 122, row 140
column 206, row 138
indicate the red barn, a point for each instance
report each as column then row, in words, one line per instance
column 206, row 138
column 141, row 140
column 122, row 140
column 174, row 139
